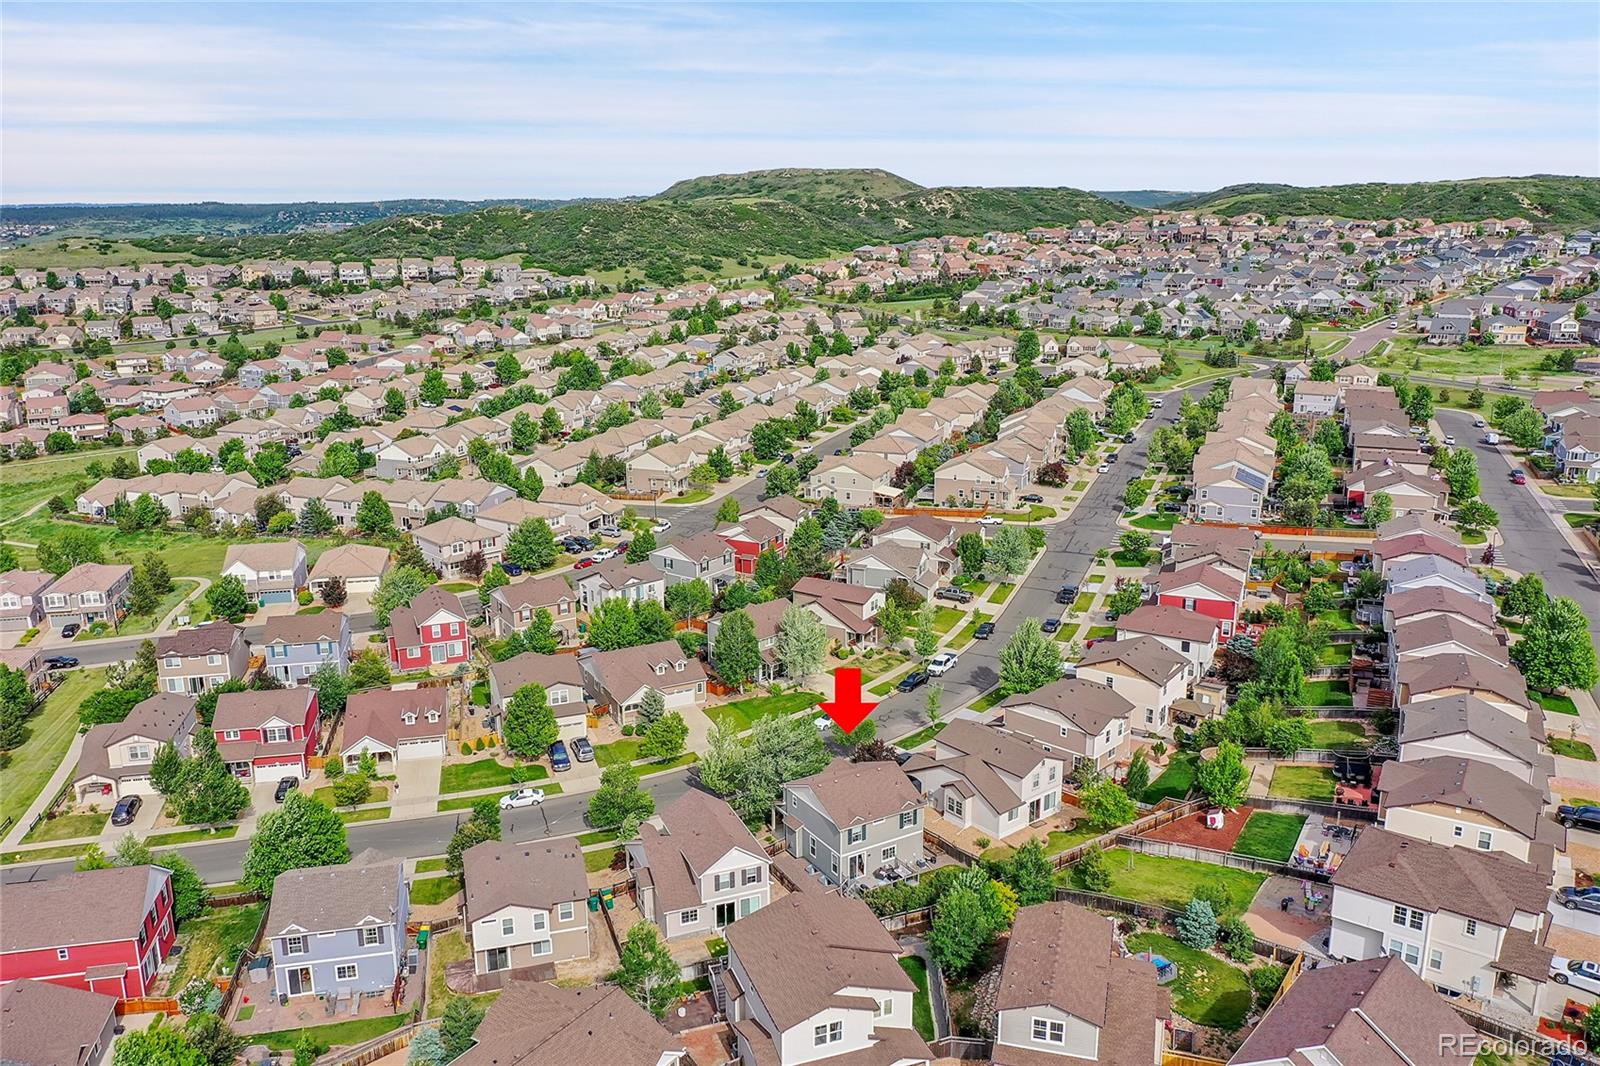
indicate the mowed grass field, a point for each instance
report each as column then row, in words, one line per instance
column 25, row 770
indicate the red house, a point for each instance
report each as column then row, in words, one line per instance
column 430, row 633
column 267, row 736
column 104, row 931
column 748, row 539
column 1204, row 589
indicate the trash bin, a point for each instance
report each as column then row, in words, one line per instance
column 607, row 898
column 594, row 903
column 422, row 937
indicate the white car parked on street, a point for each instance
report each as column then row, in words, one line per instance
column 522, row 797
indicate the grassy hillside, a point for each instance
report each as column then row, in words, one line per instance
column 1543, row 198
column 1145, row 199
column 768, row 213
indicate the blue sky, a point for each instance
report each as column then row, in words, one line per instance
column 284, row 101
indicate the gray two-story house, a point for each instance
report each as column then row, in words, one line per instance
column 298, row 645
column 852, row 819
column 705, row 556
column 338, row 929
column 698, row 868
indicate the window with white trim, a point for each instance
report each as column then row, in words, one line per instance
column 1049, row 1031
column 564, row 912
column 345, row 971
column 954, row 806
column 508, row 926
column 372, row 935
column 827, row 1033
column 294, row 945
column 689, row 917
column 1472, row 927
column 275, row 734
column 1485, row 840
column 61, row 954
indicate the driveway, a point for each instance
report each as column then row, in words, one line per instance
column 417, row 782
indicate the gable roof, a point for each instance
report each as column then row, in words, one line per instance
column 325, row 898
column 1448, row 715
column 1161, row 620
column 983, row 754
column 306, row 628
column 46, row 1024
column 211, row 638
column 379, row 714
column 696, row 831
column 1088, row 705
column 534, row 1024
column 850, row 793
column 247, row 710
column 1145, row 656
column 1470, row 784
column 1486, row 885
column 538, row 874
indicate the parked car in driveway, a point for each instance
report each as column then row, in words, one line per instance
column 953, row 594
column 940, row 664
column 559, row 759
column 1579, row 817
column 582, row 750
column 511, row 569
column 584, row 563
column 69, row 630
column 286, row 785
column 522, row 797
column 984, row 631
column 1580, row 899
column 913, row 681
column 605, row 554
column 1579, row 973
column 1031, row 497
column 126, row 808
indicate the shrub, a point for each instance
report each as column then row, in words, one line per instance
column 1197, row 925
column 477, row 745
column 1092, row 872
column 304, row 597
column 1238, row 941
column 466, row 749
column 1215, row 893
column 200, row 996
column 1265, row 981
column 628, row 730
column 983, row 842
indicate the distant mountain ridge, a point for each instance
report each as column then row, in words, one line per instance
column 811, row 213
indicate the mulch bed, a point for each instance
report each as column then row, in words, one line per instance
column 1191, row 829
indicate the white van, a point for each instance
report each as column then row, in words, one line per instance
column 1491, row 438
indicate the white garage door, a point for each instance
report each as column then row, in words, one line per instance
column 277, row 771
column 408, row 748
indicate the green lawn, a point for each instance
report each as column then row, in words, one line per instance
column 690, row 497
column 1002, row 592
column 68, row 827
column 921, row 1005
column 1084, row 601
column 189, row 836
column 1313, row 783
column 1270, row 836
column 618, row 751
column 430, row 866
column 1572, row 749
column 137, row 624
column 1171, row 883
column 368, row 814
column 600, row 859
column 1037, row 512
column 1174, row 782
column 33, row 481
column 480, row 693
column 921, row 736
column 1338, row 735
column 218, row 935
column 1058, row 841
column 1550, row 701
column 884, row 687
column 1098, row 632
column 661, row 766
column 987, row 700
column 339, row 1034
column 1328, row 694
column 1336, row 655
column 1208, row 991
column 1343, row 617
column 376, row 793
column 428, row 891
column 62, row 851
column 26, row 770
column 486, row 773
column 742, row 714
column 946, row 618
column 457, row 586
column 599, row 836
column 1161, row 523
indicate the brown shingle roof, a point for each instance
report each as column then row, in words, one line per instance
column 325, row 898
column 696, row 831
column 537, row 874
column 1477, row 786
column 1158, row 619
column 1489, row 886
column 1086, row 704
column 850, row 793
column 91, row 907
column 44, row 1024
column 305, row 628
column 1145, row 656
column 380, row 714
column 247, row 710
column 537, row 1024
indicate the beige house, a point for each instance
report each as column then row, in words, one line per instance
column 698, row 868
column 448, row 543
column 360, row 566
column 562, row 678
column 616, row 681
column 1461, row 802
column 272, row 572
column 1143, row 671
column 524, row 904
column 1084, row 720
column 856, row 481
column 512, row 607
column 116, row 757
column 977, row 479
column 984, row 778
column 200, row 658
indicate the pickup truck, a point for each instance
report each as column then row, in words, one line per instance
column 1575, row 817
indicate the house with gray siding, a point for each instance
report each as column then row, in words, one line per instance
column 334, row 930
column 272, row 572
column 698, row 868
column 298, row 645
column 852, row 818
column 525, row 904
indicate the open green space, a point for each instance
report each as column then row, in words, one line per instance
column 965, row 636
column 1270, row 836
column 740, row 715
column 216, row 937
column 1553, row 702
column 31, row 482
column 68, row 827
column 26, row 769
column 1572, row 749
column 366, row 814
column 921, row 1005
column 1338, row 735
column 599, row 836
column 1328, row 693
column 486, row 773
column 1579, row 521
column 431, row 891
column 1174, row 782
column 1160, row 523
column 430, row 866
column 1208, row 991
column 1171, row 883
column 139, row 624
column 1314, row 783
column 339, row 1034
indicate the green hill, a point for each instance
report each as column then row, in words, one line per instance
column 1551, row 199
column 1145, row 199
column 800, row 213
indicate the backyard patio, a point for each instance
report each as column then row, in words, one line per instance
column 256, row 1009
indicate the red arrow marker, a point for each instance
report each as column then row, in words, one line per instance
column 846, row 708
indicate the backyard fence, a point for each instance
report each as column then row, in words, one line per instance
column 377, row 1048
column 1326, row 810
column 248, row 955
column 964, row 1048
column 1154, row 912
column 147, row 1005
column 1195, row 853
column 1142, row 825
column 44, row 812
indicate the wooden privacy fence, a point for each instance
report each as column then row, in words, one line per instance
column 1154, row 912
column 963, row 1048
column 236, row 978
column 1325, row 810
column 147, row 1005
column 377, row 1048
column 1188, row 1058
column 1195, row 853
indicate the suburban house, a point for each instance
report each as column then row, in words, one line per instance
column 44, row 1024
column 22, row 601
column 273, row 572
column 394, row 725
column 1190, row 635
column 856, row 481
column 562, row 678
column 1230, row 547
column 116, row 756
column 848, row 612
column 1083, row 720
column 448, row 543
column 266, row 735
column 200, row 658
column 1068, row 994
column 633, row 582
column 1203, row 588
column 88, row 593
column 335, row 930
column 525, row 904
column 1144, row 671
column 1461, row 802
column 697, row 867
column 1465, row 921
column 748, row 538
column 980, row 777
column 1469, row 727
column 850, row 819
column 979, row 479
column 360, row 566
column 534, row 1021
column 705, row 556
column 766, row 618
column 814, row 978
column 1376, row 1012
column 512, row 607
column 296, row 646
column 617, row 680
column 1317, row 398
column 430, row 633
column 876, row 566
column 105, row 931
column 1464, row 675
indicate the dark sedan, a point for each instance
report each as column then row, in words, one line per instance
column 984, row 631
column 1050, row 625
column 913, row 681
column 126, row 808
